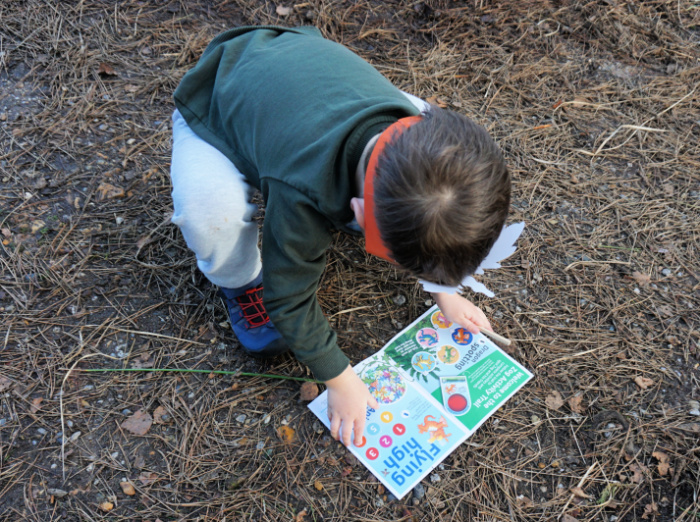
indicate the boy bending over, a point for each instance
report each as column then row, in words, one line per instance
column 331, row 144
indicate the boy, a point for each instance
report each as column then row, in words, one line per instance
column 330, row 143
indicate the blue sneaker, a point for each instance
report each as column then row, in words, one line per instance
column 250, row 321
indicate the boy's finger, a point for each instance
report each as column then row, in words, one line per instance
column 359, row 429
column 470, row 325
column 373, row 402
column 335, row 427
column 347, row 433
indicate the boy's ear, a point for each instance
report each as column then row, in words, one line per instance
column 358, row 207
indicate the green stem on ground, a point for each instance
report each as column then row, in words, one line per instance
column 179, row 370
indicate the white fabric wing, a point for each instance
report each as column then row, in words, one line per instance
column 501, row 249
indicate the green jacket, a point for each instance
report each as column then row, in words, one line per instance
column 293, row 111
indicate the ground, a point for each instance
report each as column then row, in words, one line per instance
column 597, row 108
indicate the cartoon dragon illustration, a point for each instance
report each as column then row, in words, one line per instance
column 435, row 428
column 450, row 354
column 428, row 338
column 424, row 363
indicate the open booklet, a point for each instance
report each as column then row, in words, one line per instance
column 435, row 383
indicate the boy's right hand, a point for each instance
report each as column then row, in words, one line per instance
column 348, row 398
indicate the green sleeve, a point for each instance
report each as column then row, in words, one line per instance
column 295, row 239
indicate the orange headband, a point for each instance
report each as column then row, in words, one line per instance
column 373, row 241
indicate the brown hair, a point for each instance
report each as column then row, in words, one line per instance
column 442, row 193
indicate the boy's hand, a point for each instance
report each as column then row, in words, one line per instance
column 348, row 398
column 459, row 310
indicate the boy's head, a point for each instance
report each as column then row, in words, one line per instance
column 441, row 196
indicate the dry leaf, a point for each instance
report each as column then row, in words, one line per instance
column 346, row 471
column 650, row 509
column 131, row 88
column 579, row 493
column 437, row 100
column 106, row 70
column 5, row 383
column 309, row 391
column 638, row 473
column 36, row 404
column 301, row 516
column 568, row 518
column 128, row 488
column 524, row 502
column 158, row 415
column 642, row 279
column 283, row 11
column 139, row 423
column 286, row 433
column 6, row 232
column 37, row 225
column 663, row 462
column 318, row 485
column 106, row 506
column 643, row 382
column 143, row 241
column 108, row 191
column 554, row 400
column 147, row 478
column 575, row 403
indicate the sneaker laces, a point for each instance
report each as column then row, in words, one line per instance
column 252, row 307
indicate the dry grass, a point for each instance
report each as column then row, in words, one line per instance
column 597, row 106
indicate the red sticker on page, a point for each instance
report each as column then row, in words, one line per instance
column 457, row 402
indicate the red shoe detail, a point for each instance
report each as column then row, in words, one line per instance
column 252, row 307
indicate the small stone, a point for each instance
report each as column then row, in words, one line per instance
column 416, row 502
column 694, row 405
column 58, row 493
column 127, row 488
column 260, row 445
column 695, row 412
column 666, row 272
column 418, row 492
column 378, row 503
column 41, row 431
column 400, row 300
column 535, row 419
column 241, row 418
column 75, row 436
column 434, row 478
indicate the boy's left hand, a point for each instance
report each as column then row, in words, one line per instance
column 459, row 310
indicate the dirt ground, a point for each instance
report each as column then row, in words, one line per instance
column 596, row 105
